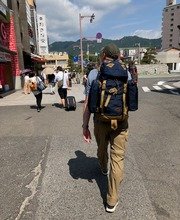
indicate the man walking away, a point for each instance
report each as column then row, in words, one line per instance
column 108, row 132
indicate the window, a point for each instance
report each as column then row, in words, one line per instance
column 172, row 19
column 170, row 40
column 170, row 45
column 21, row 36
column 51, row 62
column 171, row 25
column 172, row 14
column 171, row 30
column 171, row 35
column 18, row 5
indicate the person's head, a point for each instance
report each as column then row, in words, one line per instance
column 32, row 74
column 110, row 51
column 59, row 68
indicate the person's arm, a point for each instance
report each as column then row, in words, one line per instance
column 67, row 81
column 86, row 118
column 86, row 112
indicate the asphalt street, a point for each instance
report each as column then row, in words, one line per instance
column 47, row 172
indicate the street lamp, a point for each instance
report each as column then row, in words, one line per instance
column 80, row 27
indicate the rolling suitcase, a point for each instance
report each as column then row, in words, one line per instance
column 70, row 103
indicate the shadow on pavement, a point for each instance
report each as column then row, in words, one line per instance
column 57, row 105
column 83, row 167
column 169, row 92
column 35, row 107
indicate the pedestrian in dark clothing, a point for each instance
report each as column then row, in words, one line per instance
column 33, row 81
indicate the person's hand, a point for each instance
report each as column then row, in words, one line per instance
column 87, row 135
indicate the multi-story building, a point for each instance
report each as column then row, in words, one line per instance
column 24, row 14
column 171, row 25
column 56, row 59
column 133, row 53
column 170, row 53
column 9, row 63
column 18, row 41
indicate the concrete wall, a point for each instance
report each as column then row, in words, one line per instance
column 149, row 69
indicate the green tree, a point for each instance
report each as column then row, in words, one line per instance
column 149, row 56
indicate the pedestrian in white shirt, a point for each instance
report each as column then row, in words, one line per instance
column 62, row 80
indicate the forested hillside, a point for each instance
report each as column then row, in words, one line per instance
column 72, row 47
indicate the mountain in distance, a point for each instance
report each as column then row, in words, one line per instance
column 73, row 48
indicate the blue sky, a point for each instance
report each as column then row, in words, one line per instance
column 113, row 18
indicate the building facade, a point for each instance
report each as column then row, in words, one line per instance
column 9, row 62
column 170, row 51
column 56, row 59
column 171, row 25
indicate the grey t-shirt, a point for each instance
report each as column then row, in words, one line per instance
column 92, row 76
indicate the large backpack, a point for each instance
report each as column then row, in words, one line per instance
column 107, row 96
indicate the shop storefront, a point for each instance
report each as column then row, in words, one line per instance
column 6, row 79
column 8, row 51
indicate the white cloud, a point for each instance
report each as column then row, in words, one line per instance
column 62, row 16
column 150, row 34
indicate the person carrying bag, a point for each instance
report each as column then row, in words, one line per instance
column 36, row 87
column 62, row 80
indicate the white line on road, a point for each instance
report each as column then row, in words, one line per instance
column 146, row 89
column 157, row 88
column 160, row 83
column 168, row 87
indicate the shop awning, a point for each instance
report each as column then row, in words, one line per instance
column 37, row 58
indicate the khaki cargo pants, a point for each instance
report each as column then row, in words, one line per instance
column 117, row 139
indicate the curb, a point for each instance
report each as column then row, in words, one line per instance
column 7, row 93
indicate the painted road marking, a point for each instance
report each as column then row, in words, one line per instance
column 146, row 89
column 157, row 88
column 168, row 87
column 160, row 83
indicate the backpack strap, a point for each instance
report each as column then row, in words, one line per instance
column 125, row 110
column 103, row 94
column 110, row 92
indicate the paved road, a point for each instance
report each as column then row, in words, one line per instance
column 48, row 172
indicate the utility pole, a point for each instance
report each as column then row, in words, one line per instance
column 139, row 53
column 80, row 28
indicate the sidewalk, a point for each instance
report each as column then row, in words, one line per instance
column 18, row 98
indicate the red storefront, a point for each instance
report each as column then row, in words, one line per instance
column 9, row 65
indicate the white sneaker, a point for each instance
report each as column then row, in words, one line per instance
column 111, row 209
